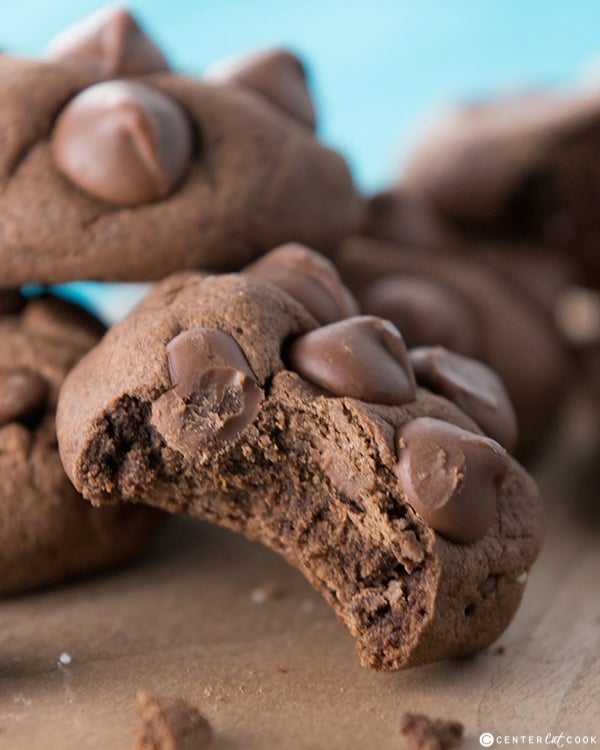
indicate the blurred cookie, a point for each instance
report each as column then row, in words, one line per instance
column 124, row 180
column 47, row 533
column 521, row 168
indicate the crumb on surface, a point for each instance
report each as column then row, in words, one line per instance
column 422, row 733
column 500, row 650
column 265, row 593
column 170, row 724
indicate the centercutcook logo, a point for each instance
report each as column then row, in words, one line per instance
column 487, row 739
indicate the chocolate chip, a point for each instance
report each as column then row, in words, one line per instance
column 471, row 385
column 210, row 372
column 362, row 357
column 451, row 477
column 110, row 43
column 11, row 301
column 278, row 76
column 123, row 142
column 309, row 278
column 22, row 394
column 425, row 311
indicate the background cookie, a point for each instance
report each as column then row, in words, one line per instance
column 131, row 180
column 47, row 532
column 521, row 168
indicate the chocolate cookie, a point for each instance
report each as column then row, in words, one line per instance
column 47, row 532
column 222, row 397
column 468, row 306
column 133, row 179
column 519, row 168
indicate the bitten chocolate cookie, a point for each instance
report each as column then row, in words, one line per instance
column 469, row 306
column 47, row 533
column 123, row 180
column 222, row 397
column 521, row 168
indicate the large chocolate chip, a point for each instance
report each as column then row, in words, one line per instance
column 22, row 394
column 11, row 301
column 426, row 311
column 278, row 76
column 362, row 357
column 451, row 477
column 471, row 385
column 309, row 278
column 110, row 43
column 123, row 142
column 215, row 395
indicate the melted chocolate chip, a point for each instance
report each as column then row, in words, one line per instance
column 451, row 477
column 427, row 312
column 278, row 76
column 109, row 43
column 11, row 301
column 23, row 394
column 309, row 278
column 123, row 142
column 215, row 396
column 362, row 357
column 471, row 385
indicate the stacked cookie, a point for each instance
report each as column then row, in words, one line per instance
column 248, row 389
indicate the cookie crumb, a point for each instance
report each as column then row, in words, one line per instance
column 65, row 659
column 265, row 593
column 170, row 724
column 422, row 733
column 500, row 650
column 281, row 670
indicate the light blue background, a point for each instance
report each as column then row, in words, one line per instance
column 380, row 68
